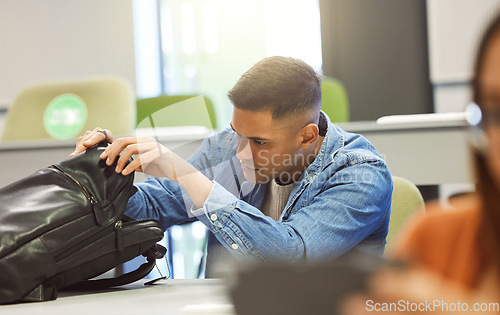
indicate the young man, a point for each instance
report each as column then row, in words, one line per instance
column 282, row 183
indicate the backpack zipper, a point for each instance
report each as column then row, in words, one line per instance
column 84, row 189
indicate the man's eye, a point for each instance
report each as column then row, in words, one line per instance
column 259, row 142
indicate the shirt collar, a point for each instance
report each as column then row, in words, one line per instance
column 331, row 143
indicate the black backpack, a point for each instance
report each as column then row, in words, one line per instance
column 64, row 224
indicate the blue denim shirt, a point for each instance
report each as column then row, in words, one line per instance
column 340, row 203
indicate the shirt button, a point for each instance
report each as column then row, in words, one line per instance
column 234, row 246
column 213, row 217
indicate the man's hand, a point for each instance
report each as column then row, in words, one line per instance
column 152, row 158
column 91, row 138
column 144, row 154
column 148, row 156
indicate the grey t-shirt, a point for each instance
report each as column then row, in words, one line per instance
column 276, row 199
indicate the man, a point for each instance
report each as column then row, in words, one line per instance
column 282, row 183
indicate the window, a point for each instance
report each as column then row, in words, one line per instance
column 207, row 44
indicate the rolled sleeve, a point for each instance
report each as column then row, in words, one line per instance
column 216, row 215
column 217, row 208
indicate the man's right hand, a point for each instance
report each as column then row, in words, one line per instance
column 91, row 138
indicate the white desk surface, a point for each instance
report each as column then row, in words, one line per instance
column 199, row 296
column 365, row 126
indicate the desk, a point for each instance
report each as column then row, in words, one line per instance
column 424, row 152
column 165, row 297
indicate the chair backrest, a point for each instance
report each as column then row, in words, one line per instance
column 189, row 110
column 334, row 101
column 65, row 110
column 406, row 200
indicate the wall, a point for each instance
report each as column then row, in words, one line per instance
column 63, row 39
column 378, row 49
column 455, row 28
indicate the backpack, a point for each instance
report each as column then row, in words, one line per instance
column 64, row 224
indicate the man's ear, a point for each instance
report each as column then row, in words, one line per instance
column 310, row 134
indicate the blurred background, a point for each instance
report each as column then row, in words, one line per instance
column 393, row 56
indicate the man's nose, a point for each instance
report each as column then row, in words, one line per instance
column 244, row 150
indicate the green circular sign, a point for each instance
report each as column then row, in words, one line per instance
column 65, row 116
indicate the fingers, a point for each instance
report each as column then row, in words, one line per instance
column 91, row 138
column 134, row 165
column 145, row 150
column 124, row 149
column 152, row 159
column 97, row 135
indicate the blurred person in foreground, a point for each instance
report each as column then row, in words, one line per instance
column 452, row 257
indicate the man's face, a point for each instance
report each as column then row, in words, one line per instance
column 267, row 149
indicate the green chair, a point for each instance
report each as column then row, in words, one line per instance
column 66, row 109
column 406, row 200
column 334, row 101
column 176, row 110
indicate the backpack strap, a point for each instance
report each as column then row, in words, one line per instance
column 155, row 252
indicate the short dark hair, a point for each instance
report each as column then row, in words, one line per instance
column 283, row 85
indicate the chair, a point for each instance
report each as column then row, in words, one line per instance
column 183, row 110
column 406, row 200
column 65, row 110
column 334, row 101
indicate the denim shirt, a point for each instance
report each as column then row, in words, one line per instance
column 341, row 202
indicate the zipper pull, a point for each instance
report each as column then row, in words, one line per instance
column 119, row 235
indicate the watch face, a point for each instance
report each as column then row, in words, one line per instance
column 65, row 116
